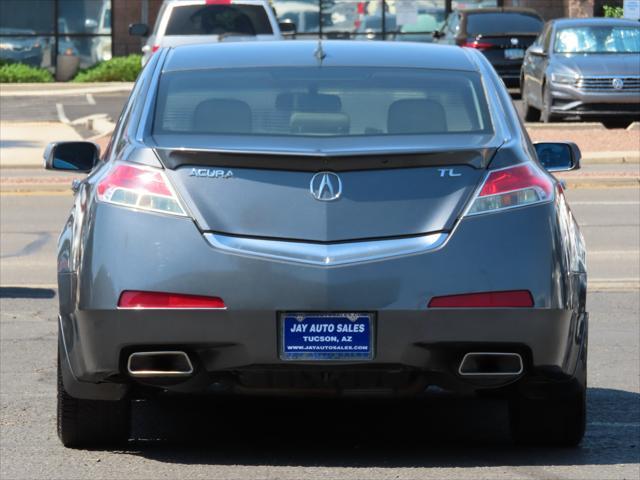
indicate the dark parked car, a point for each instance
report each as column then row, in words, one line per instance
column 344, row 218
column 585, row 67
column 502, row 34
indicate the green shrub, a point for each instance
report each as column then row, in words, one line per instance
column 613, row 12
column 20, row 73
column 118, row 69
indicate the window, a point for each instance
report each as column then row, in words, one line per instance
column 321, row 101
column 217, row 19
column 500, row 23
column 598, row 39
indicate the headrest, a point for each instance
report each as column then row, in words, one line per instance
column 416, row 116
column 222, row 115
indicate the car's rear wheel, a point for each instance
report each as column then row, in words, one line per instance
column 557, row 422
column 90, row 423
column 559, row 419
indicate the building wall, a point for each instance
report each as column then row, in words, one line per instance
column 550, row 9
column 126, row 12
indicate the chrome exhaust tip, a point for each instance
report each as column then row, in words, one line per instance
column 490, row 364
column 159, row 364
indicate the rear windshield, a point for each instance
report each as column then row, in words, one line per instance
column 498, row 23
column 218, row 19
column 321, row 101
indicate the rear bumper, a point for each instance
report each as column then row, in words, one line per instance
column 170, row 254
column 221, row 341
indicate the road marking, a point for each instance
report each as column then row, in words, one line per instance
column 613, row 253
column 90, row 99
column 615, row 424
column 608, row 203
column 61, row 115
column 614, row 284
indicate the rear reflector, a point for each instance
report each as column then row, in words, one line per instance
column 508, row 299
column 134, row 299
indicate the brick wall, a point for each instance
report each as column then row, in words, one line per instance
column 125, row 12
column 550, row 9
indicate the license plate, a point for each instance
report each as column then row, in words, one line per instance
column 514, row 53
column 326, row 336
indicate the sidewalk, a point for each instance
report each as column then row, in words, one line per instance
column 22, row 144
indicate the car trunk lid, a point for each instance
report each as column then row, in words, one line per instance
column 274, row 195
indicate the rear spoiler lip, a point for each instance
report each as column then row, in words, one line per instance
column 172, row 159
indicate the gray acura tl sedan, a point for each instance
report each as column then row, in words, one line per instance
column 589, row 67
column 343, row 218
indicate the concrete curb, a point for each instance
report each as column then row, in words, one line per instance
column 598, row 158
column 61, row 89
column 565, row 125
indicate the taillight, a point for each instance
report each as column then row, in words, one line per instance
column 141, row 300
column 506, row 299
column 155, row 48
column 140, row 187
column 510, row 187
column 477, row 45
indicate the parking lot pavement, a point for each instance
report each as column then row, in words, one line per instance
column 438, row 437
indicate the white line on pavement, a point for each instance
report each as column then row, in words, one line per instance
column 615, row 424
column 613, row 253
column 90, row 99
column 609, row 203
column 61, row 115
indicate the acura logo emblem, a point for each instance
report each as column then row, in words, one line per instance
column 617, row 83
column 326, row 186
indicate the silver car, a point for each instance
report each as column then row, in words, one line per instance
column 584, row 67
column 343, row 218
column 183, row 22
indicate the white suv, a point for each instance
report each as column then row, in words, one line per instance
column 182, row 22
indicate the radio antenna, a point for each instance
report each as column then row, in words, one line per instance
column 319, row 53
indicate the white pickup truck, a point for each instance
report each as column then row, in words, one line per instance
column 182, row 22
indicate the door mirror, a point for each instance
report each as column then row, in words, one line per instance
column 71, row 156
column 90, row 24
column 288, row 28
column 537, row 50
column 438, row 34
column 138, row 30
column 558, row 157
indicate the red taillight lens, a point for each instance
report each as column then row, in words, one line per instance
column 139, row 187
column 521, row 185
column 133, row 299
column 478, row 45
column 155, row 48
column 509, row 299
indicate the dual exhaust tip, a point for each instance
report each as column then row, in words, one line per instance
column 490, row 364
column 177, row 364
column 159, row 364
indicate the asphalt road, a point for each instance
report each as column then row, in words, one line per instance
column 440, row 437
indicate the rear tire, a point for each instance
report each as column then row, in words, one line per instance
column 558, row 420
column 90, row 423
column 553, row 422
